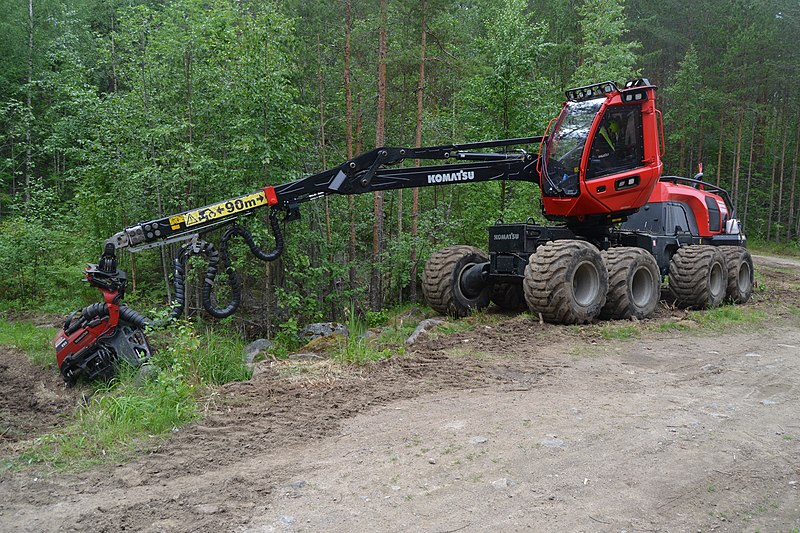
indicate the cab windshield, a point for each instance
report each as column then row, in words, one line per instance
column 565, row 146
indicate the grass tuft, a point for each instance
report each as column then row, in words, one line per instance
column 726, row 316
column 615, row 331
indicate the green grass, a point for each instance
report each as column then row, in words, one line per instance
column 119, row 416
column 790, row 249
column 136, row 406
column 674, row 326
column 716, row 319
column 360, row 351
column 35, row 341
column 614, row 331
column 727, row 316
column 463, row 325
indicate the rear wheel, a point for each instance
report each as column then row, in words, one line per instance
column 566, row 281
column 739, row 264
column 443, row 286
column 509, row 296
column 634, row 283
column 698, row 277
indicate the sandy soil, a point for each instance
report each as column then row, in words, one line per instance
column 513, row 426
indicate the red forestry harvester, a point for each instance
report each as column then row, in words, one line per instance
column 617, row 228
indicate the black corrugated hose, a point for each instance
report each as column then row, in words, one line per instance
column 213, row 256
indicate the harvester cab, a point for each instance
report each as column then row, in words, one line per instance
column 602, row 159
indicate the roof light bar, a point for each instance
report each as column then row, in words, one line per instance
column 591, row 91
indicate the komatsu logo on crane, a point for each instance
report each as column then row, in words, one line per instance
column 447, row 177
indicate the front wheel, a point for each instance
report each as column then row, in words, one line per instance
column 566, row 281
column 443, row 286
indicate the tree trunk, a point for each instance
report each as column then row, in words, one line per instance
column 29, row 104
column 749, row 172
column 719, row 153
column 737, row 161
column 321, row 90
column 772, row 180
column 780, row 183
column 376, row 291
column 794, row 182
column 348, row 119
column 418, row 140
column 701, row 137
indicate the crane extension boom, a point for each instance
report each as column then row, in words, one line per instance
column 362, row 174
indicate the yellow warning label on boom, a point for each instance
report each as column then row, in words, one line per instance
column 226, row 208
column 176, row 221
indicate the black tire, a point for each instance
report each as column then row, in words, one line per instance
column 441, row 281
column 634, row 283
column 566, row 281
column 698, row 277
column 509, row 296
column 739, row 264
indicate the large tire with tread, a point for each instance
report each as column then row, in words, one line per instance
column 509, row 296
column 634, row 283
column 739, row 264
column 698, row 276
column 441, row 281
column 566, row 281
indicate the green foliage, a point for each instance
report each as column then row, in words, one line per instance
column 605, row 53
column 36, row 341
column 117, row 417
column 685, row 97
column 37, row 268
column 760, row 246
column 359, row 351
column 355, row 348
column 200, row 355
column 674, row 326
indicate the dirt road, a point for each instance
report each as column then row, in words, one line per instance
column 512, row 426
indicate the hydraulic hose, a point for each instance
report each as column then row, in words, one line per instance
column 213, row 258
column 100, row 309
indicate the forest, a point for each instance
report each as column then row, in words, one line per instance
column 114, row 112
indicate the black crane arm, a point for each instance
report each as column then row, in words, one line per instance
column 364, row 173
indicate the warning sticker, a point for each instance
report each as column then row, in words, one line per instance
column 225, row 209
column 176, row 221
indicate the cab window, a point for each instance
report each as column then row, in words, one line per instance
column 618, row 144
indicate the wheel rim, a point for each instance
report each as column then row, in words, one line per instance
column 744, row 277
column 463, row 289
column 716, row 281
column 642, row 287
column 585, row 284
